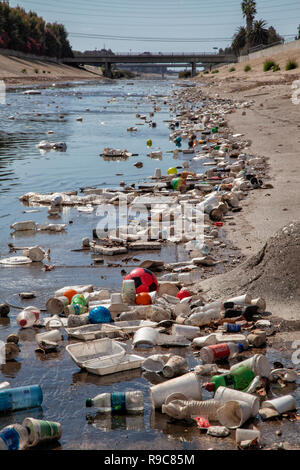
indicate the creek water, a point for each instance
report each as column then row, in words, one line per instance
column 107, row 110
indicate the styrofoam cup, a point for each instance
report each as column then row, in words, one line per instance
column 234, row 413
column 225, row 394
column 258, row 363
column 281, row 404
column 246, row 435
column 188, row 385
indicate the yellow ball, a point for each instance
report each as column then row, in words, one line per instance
column 172, row 171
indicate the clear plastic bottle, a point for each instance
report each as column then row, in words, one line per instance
column 28, row 317
column 20, row 398
column 13, row 437
column 210, row 354
column 119, row 401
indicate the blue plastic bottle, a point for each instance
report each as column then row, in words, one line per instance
column 20, row 398
column 13, row 437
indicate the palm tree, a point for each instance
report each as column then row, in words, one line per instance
column 260, row 33
column 249, row 12
column 239, row 40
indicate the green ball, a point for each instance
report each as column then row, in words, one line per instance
column 78, row 299
column 177, row 182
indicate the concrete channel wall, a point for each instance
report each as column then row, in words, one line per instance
column 290, row 46
column 23, row 55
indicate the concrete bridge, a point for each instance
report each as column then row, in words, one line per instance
column 147, row 58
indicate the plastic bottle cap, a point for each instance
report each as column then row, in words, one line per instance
column 88, row 402
column 23, row 322
column 210, row 387
column 240, row 347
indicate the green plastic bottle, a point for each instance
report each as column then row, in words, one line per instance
column 239, row 379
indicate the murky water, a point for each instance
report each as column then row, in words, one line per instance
column 23, row 168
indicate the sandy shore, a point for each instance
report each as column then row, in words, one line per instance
column 271, row 123
column 16, row 71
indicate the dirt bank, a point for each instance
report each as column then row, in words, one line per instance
column 271, row 123
column 16, row 71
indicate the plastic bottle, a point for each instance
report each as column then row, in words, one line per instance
column 239, row 379
column 28, row 317
column 20, row 398
column 231, row 327
column 119, row 401
column 221, row 351
column 13, row 437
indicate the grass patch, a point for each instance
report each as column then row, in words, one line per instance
column 275, row 68
column 215, row 71
column 232, row 69
column 291, row 65
column 36, row 70
column 247, row 68
column 24, row 71
column 268, row 65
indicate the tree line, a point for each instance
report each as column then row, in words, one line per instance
column 29, row 33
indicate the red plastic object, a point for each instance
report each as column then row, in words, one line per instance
column 183, row 293
column 203, row 423
column 144, row 279
column 219, row 224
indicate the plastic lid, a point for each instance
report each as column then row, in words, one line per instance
column 210, row 387
column 23, row 322
column 88, row 402
column 240, row 347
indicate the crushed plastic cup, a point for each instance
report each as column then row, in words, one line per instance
column 234, row 413
column 281, row 404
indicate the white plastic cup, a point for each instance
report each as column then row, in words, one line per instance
column 258, row 363
column 157, row 173
column 128, row 292
column 40, row 430
column 261, row 304
column 246, row 435
column 52, row 336
column 189, row 332
column 56, row 305
column 241, row 300
column 145, row 336
column 225, row 394
column 187, row 385
column 281, row 404
column 234, row 413
column 175, row 366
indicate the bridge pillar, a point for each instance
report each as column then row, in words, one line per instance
column 194, row 70
column 107, row 71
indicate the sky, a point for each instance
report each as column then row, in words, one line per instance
column 159, row 25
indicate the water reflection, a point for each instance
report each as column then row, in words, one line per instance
column 11, row 369
column 185, row 431
column 84, row 377
column 113, row 421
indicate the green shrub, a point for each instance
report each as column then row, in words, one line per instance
column 24, row 71
column 268, row 65
column 206, row 72
column 291, row 65
column 215, row 71
column 247, row 68
column 36, row 70
column 232, row 69
column 275, row 68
